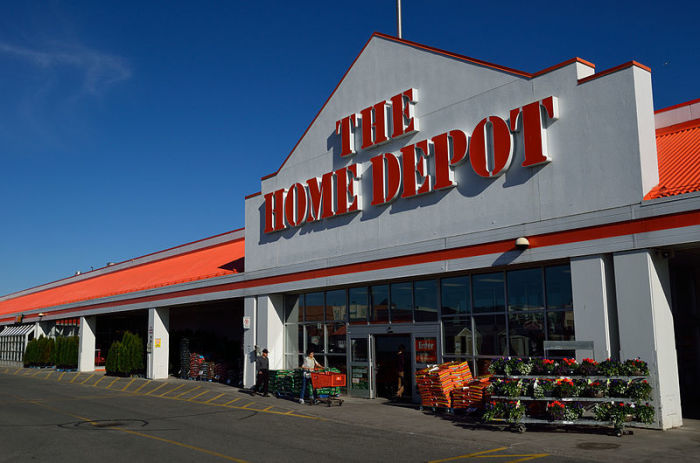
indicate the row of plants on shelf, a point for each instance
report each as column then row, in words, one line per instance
column 566, row 387
column 618, row 413
column 511, row 411
column 125, row 357
column 61, row 352
column 514, row 366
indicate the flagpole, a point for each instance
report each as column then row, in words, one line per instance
column 398, row 17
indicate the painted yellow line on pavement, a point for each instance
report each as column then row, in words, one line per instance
column 198, row 395
column 37, row 372
column 268, row 408
column 49, row 374
column 186, row 392
column 181, row 444
column 213, row 398
column 527, row 457
column 470, row 455
column 18, row 370
column 129, row 384
column 61, row 375
column 88, row 378
column 172, row 390
column 148, row 381
column 246, row 405
column 232, row 401
column 154, row 390
column 98, row 381
column 112, row 383
column 75, row 377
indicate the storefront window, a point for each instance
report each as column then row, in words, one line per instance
column 560, row 326
column 380, row 304
column 293, row 361
column 558, row 279
column 292, row 312
column 294, row 339
column 458, row 335
column 335, row 305
column 313, row 308
column 359, row 349
column 358, row 304
column 526, row 331
column 489, row 292
column 525, row 289
column 425, row 300
column 490, row 334
column 402, row 302
column 314, row 338
column 336, row 338
column 455, row 296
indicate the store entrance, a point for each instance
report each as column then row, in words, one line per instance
column 388, row 364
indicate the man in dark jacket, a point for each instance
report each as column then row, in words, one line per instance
column 262, row 366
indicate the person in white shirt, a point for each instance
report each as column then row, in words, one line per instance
column 309, row 365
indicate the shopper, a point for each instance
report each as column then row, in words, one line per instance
column 400, row 372
column 262, row 366
column 309, row 365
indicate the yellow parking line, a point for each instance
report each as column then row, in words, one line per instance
column 183, row 393
column 18, row 370
column 61, row 375
column 232, row 401
column 171, row 390
column 148, row 381
column 154, row 390
column 198, row 395
column 38, row 371
column 88, row 378
column 112, row 383
column 75, row 377
column 180, row 444
column 266, row 409
column 98, row 381
column 531, row 456
column 129, row 384
column 49, row 374
column 246, row 405
column 213, row 398
column 469, row 455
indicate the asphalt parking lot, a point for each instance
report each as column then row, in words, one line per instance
column 60, row 416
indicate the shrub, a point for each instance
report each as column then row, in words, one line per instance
column 639, row 390
column 125, row 357
column 66, row 353
column 112, row 360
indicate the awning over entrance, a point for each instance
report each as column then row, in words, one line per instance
column 19, row 330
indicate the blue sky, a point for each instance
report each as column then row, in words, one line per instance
column 130, row 127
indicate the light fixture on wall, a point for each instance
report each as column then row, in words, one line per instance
column 41, row 314
column 522, row 243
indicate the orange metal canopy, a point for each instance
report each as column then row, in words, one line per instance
column 200, row 264
column 678, row 149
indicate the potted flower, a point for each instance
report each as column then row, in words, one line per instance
column 518, row 366
column 512, row 388
column 601, row 411
column 543, row 367
column 498, row 366
column 565, row 387
column 596, row 389
column 639, row 390
column 514, row 411
column 573, row 411
column 493, row 410
column 620, row 412
column 609, row 367
column 556, row 411
column 617, row 388
column 644, row 413
column 635, row 367
column 566, row 367
column 588, row 367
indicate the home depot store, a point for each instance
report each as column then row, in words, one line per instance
column 394, row 220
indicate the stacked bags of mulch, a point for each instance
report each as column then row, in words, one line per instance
column 437, row 383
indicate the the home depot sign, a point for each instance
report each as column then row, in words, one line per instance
column 420, row 168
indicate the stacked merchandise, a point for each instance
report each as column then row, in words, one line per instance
column 436, row 383
column 196, row 362
column 184, row 358
column 282, row 382
column 203, row 370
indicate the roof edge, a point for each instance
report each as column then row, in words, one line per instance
column 606, row 72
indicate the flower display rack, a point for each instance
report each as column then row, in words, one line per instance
column 564, row 393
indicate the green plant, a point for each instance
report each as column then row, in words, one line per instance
column 617, row 388
column 595, row 389
column 635, row 367
column 566, row 367
column 588, row 367
column 514, row 411
column 644, row 413
column 493, row 410
column 609, row 367
column 518, row 366
column 498, row 366
column 543, row 366
column 130, row 359
column 556, row 411
column 614, row 412
column 565, row 387
column 112, row 360
column 639, row 390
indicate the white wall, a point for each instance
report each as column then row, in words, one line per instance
column 157, row 344
column 86, row 350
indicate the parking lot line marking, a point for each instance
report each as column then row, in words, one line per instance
column 182, row 444
column 18, row 370
column 61, row 375
column 88, row 378
column 98, row 381
column 267, row 409
column 112, row 383
column 154, row 390
column 38, row 371
column 129, row 384
column 172, row 390
column 49, row 375
column 527, row 457
column 183, row 393
column 213, row 398
column 198, row 395
column 148, row 381
column 232, row 401
column 470, row 455
column 75, row 377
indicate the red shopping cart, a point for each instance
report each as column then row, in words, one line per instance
column 324, row 380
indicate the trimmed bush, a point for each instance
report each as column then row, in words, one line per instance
column 39, row 352
column 113, row 359
column 67, row 352
column 125, row 357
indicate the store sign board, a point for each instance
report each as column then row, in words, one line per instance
column 426, row 350
column 420, row 168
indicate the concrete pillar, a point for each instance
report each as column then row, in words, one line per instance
column 86, row 350
column 157, row 345
column 595, row 314
column 646, row 327
column 266, row 332
column 249, row 340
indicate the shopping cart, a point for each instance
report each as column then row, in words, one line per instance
column 329, row 381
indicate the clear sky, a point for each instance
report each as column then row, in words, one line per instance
column 133, row 126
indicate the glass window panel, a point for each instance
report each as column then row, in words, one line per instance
column 458, row 336
column 358, row 349
column 401, row 302
column 426, row 301
column 314, row 338
column 488, row 292
column 359, row 304
column 525, row 289
column 558, row 282
column 526, row 330
column 293, row 361
column 379, row 296
column 335, row 305
column 490, row 334
column 336, row 338
column 560, row 326
column 455, row 296
column 292, row 312
column 294, row 339
column 426, row 350
column 313, row 307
